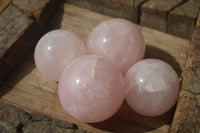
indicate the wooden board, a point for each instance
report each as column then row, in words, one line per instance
column 137, row 10
column 13, row 23
column 14, row 120
column 175, row 17
column 154, row 13
column 128, row 9
column 28, row 89
column 37, row 10
column 4, row 4
column 181, row 20
column 119, row 8
column 94, row 5
column 187, row 116
column 20, row 24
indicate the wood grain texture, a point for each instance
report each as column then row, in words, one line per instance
column 181, row 20
column 28, row 89
column 119, row 8
column 176, row 17
column 128, row 9
column 20, row 28
column 29, row 6
column 187, row 116
column 4, row 4
column 12, row 24
column 154, row 13
column 14, row 120
column 137, row 10
column 6, row 18
column 39, row 10
column 93, row 5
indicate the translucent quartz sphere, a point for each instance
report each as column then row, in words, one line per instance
column 152, row 87
column 91, row 89
column 118, row 41
column 55, row 50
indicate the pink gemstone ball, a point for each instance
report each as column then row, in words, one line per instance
column 90, row 89
column 152, row 87
column 55, row 50
column 118, row 41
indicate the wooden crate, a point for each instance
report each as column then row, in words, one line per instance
column 29, row 90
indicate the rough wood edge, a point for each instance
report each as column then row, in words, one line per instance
column 187, row 114
column 181, row 20
column 155, row 12
column 15, row 120
column 134, row 14
column 160, row 20
column 4, row 4
column 38, row 19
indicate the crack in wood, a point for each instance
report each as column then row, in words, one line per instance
column 25, row 122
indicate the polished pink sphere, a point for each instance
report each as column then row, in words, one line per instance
column 55, row 50
column 90, row 89
column 118, row 41
column 152, row 87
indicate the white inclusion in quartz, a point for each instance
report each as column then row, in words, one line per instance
column 153, row 87
column 98, row 87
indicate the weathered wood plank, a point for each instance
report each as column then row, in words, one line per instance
column 4, row 4
column 20, row 28
column 29, row 6
column 93, row 5
column 27, row 85
column 137, row 10
column 12, row 24
column 114, row 8
column 119, row 8
column 154, row 13
column 37, row 10
column 174, row 17
column 187, row 116
column 14, row 120
column 6, row 18
column 128, row 9
column 181, row 20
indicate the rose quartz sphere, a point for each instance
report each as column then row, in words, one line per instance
column 118, row 41
column 55, row 50
column 90, row 89
column 152, row 87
